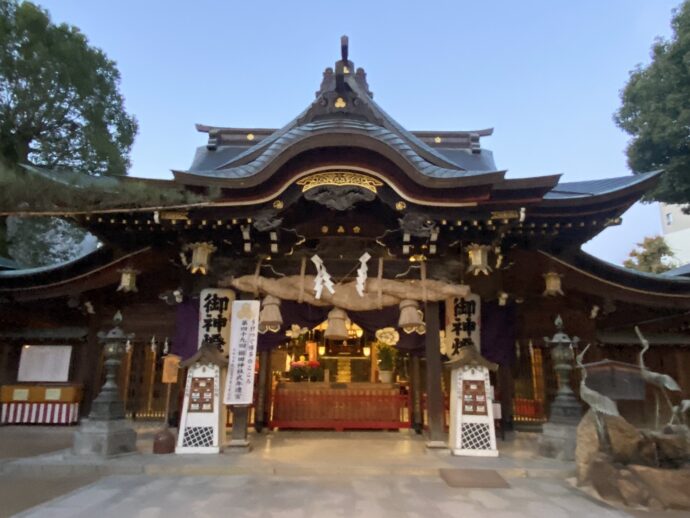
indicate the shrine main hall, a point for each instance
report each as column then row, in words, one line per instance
column 378, row 255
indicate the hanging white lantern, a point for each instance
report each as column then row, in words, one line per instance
column 322, row 350
column 270, row 318
column 479, row 259
column 337, row 325
column 201, row 256
column 411, row 317
column 553, row 284
column 128, row 280
column 366, row 350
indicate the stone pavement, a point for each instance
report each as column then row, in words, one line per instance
column 305, row 474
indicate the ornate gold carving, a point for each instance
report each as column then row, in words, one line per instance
column 339, row 178
column 505, row 214
column 340, row 103
column 324, row 229
column 173, row 215
column 401, row 205
column 278, row 204
column 250, row 136
column 356, row 230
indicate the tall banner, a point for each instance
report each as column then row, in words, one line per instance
column 239, row 385
column 214, row 318
column 463, row 318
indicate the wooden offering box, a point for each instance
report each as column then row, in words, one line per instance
column 340, row 406
column 40, row 404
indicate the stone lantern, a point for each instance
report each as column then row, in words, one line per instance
column 565, row 408
column 105, row 432
column 560, row 432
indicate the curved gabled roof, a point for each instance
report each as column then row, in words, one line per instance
column 590, row 188
column 265, row 152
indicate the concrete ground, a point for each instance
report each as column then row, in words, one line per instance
column 302, row 474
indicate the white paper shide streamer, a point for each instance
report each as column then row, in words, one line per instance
column 322, row 278
column 362, row 273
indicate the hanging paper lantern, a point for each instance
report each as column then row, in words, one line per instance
column 322, row 350
column 479, row 259
column 337, row 325
column 270, row 318
column 128, row 280
column 553, row 284
column 201, row 256
column 366, row 350
column 411, row 317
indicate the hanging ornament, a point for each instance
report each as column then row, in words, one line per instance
column 388, row 336
column 322, row 278
column 296, row 331
column 166, row 346
column 553, row 284
column 502, row 298
column 479, row 259
column 128, row 280
column 128, row 346
column 366, row 351
column 154, row 344
column 362, row 273
column 201, row 257
column 270, row 318
column 337, row 325
column 411, row 317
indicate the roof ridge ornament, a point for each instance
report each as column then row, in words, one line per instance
column 344, row 47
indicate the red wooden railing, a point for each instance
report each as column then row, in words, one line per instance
column 341, row 409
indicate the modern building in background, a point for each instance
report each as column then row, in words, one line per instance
column 675, row 225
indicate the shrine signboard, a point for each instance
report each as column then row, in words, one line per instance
column 471, row 430
column 463, row 318
column 239, row 386
column 199, row 424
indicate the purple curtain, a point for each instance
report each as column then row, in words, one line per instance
column 498, row 333
column 186, row 328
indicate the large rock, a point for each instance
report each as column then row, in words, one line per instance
column 668, row 486
column 672, row 449
column 604, row 477
column 628, row 444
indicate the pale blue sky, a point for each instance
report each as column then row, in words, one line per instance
column 545, row 74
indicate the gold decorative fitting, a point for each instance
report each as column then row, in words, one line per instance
column 324, row 229
column 401, row 205
column 250, row 136
column 505, row 214
column 339, row 178
column 340, row 103
column 356, row 230
column 278, row 204
column 438, row 140
column 171, row 215
column 346, row 70
column 341, row 229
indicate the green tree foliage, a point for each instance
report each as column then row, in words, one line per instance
column 60, row 108
column 656, row 112
column 59, row 101
column 653, row 256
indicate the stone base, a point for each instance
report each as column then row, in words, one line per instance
column 104, row 438
column 558, row 441
column 238, row 446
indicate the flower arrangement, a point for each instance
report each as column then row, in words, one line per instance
column 306, row 370
column 387, row 354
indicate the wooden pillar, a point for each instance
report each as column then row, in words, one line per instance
column 416, row 382
column 434, row 395
column 88, row 374
column 507, row 386
column 260, row 410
